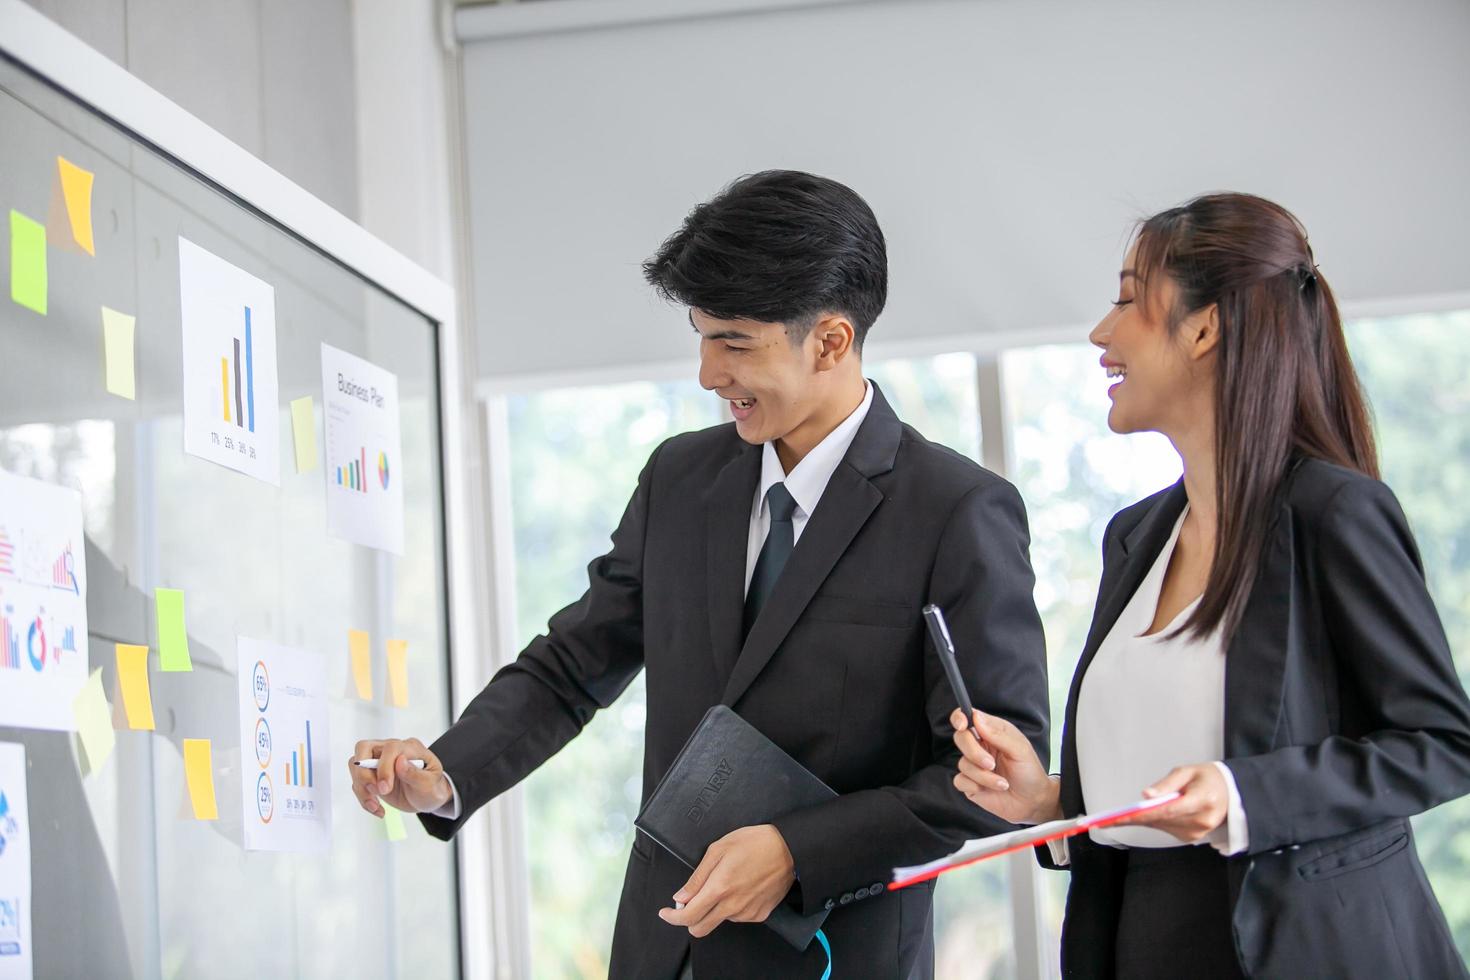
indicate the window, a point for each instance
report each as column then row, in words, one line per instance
column 575, row 456
column 1415, row 370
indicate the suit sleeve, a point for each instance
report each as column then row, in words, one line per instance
column 1390, row 647
column 588, row 656
column 982, row 579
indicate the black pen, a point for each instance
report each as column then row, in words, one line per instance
column 939, row 633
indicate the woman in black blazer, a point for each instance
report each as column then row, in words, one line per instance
column 1263, row 628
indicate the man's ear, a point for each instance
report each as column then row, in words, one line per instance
column 1201, row 331
column 833, row 336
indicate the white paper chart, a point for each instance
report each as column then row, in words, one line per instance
column 285, row 779
column 15, row 865
column 364, row 451
column 43, row 603
column 231, row 410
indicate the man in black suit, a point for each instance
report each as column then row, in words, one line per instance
column 777, row 565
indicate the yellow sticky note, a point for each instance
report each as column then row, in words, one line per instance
column 132, row 681
column 398, row 673
column 173, row 637
column 199, row 772
column 28, row 262
column 94, row 722
column 117, row 348
column 393, row 824
column 76, row 193
column 360, row 644
column 303, row 427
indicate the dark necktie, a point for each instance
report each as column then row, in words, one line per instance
column 777, row 548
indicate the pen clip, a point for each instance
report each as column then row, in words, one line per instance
column 936, row 617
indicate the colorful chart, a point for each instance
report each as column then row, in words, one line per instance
column 298, row 772
column 9, row 641
column 43, row 604
column 352, row 475
column 283, row 695
column 231, row 391
column 63, row 572
column 360, row 410
column 244, row 396
column 16, row 910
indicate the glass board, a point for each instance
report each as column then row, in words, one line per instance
column 126, row 882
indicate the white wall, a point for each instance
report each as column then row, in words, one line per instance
column 275, row 76
column 1006, row 147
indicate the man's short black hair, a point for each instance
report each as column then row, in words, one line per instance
column 780, row 246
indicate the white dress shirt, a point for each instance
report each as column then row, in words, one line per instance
column 1149, row 703
column 806, row 483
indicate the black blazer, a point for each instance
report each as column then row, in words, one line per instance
column 1343, row 717
column 836, row 670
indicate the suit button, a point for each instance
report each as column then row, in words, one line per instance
column 845, row 899
column 860, row 894
column 876, row 888
column 830, row 905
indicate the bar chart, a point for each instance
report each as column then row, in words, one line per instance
column 351, row 475
column 231, row 386
column 283, row 717
column 9, row 641
column 360, row 416
column 298, row 770
column 242, row 395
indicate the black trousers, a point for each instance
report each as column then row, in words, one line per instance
column 1175, row 919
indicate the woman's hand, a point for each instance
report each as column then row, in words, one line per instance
column 1204, row 801
column 1003, row 774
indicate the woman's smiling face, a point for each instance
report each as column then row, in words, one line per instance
column 1158, row 383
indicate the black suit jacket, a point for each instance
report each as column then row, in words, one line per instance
column 836, row 670
column 1343, row 717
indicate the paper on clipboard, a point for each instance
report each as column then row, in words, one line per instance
column 989, row 847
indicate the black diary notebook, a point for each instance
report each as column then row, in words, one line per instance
column 728, row 776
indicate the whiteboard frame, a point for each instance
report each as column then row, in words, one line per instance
column 76, row 68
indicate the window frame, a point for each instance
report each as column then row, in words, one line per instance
column 1036, row 950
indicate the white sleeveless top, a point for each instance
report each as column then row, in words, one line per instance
column 1148, row 704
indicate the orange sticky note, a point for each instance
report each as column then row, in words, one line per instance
column 199, row 772
column 132, row 681
column 73, row 197
column 360, row 645
column 398, row 673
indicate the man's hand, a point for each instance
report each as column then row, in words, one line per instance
column 404, row 787
column 743, row 877
column 1204, row 802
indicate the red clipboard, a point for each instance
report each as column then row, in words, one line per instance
column 985, row 848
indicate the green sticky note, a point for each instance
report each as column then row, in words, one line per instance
column 94, row 722
column 393, row 824
column 28, row 262
column 303, row 428
column 173, row 639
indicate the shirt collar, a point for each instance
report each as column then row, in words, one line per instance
column 809, row 478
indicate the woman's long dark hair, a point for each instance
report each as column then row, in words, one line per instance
column 1284, row 385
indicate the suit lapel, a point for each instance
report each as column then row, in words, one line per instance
column 1255, row 664
column 728, row 505
column 1139, row 549
column 846, row 505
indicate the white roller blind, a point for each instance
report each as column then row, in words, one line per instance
column 1006, row 147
